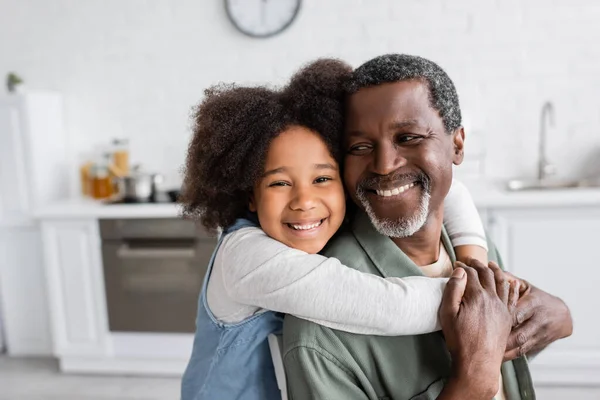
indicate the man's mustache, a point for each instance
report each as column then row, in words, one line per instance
column 382, row 182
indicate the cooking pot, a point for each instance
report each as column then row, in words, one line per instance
column 139, row 186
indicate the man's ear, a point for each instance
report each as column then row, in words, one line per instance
column 458, row 140
column 252, row 203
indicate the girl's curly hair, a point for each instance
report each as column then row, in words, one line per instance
column 233, row 127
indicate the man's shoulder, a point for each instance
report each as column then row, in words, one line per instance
column 298, row 332
column 344, row 238
column 345, row 247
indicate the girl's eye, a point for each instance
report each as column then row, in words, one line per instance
column 278, row 183
column 322, row 179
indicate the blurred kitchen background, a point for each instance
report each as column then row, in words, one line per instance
column 98, row 275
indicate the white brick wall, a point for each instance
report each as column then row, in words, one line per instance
column 133, row 68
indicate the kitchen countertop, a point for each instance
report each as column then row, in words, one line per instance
column 88, row 208
column 494, row 195
column 485, row 195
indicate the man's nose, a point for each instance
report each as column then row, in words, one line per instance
column 387, row 159
column 304, row 199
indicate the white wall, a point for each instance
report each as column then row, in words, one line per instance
column 134, row 68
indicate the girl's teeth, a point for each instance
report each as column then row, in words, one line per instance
column 395, row 191
column 306, row 227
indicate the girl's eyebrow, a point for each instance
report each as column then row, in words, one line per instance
column 284, row 169
column 326, row 166
column 274, row 171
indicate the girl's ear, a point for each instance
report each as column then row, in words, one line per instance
column 251, row 203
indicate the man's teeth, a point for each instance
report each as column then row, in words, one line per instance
column 395, row 191
column 306, row 226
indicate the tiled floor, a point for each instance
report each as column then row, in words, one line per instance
column 39, row 379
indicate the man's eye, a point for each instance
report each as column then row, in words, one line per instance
column 322, row 179
column 359, row 149
column 407, row 138
column 278, row 183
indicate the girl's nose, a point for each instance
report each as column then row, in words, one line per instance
column 303, row 200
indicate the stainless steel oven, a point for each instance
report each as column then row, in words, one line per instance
column 153, row 272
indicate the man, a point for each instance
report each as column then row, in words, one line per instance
column 403, row 132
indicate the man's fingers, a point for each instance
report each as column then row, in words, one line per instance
column 502, row 284
column 486, row 276
column 525, row 286
column 521, row 340
column 473, row 284
column 511, row 354
column 453, row 294
column 513, row 297
column 524, row 310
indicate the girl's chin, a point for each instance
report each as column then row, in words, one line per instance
column 307, row 246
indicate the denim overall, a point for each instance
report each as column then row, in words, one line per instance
column 231, row 361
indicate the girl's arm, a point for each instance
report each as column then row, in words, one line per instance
column 463, row 224
column 257, row 272
column 466, row 232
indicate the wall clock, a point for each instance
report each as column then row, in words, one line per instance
column 262, row 18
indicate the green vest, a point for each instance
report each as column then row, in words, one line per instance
column 323, row 363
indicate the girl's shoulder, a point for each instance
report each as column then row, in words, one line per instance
column 250, row 221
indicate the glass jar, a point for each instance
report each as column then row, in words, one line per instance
column 102, row 187
column 120, row 149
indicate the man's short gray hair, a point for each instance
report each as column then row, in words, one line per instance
column 402, row 67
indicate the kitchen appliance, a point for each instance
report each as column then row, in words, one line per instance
column 153, row 272
column 138, row 186
column 174, row 195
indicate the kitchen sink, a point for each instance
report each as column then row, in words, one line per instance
column 517, row 185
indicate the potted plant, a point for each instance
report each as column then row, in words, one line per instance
column 13, row 81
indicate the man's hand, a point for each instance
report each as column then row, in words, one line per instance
column 476, row 324
column 539, row 319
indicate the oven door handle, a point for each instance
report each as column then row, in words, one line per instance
column 124, row 251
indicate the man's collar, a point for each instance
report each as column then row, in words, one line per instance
column 383, row 252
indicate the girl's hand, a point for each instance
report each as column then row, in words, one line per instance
column 509, row 287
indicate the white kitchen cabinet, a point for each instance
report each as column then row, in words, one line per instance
column 33, row 172
column 556, row 250
column 75, row 287
column 25, row 316
column 14, row 196
column 82, row 341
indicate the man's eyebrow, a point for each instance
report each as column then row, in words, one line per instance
column 403, row 124
column 355, row 134
column 326, row 166
column 274, row 171
column 392, row 125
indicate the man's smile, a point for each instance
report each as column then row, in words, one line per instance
column 393, row 191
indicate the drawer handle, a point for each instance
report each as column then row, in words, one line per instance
column 125, row 251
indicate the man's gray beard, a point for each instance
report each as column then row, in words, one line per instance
column 402, row 227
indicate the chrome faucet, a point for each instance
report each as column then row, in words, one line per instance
column 545, row 169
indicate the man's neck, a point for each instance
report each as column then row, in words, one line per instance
column 423, row 248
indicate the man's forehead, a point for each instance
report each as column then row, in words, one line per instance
column 396, row 101
column 389, row 91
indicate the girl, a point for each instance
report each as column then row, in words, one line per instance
column 265, row 165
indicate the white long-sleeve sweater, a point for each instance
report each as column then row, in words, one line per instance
column 253, row 273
